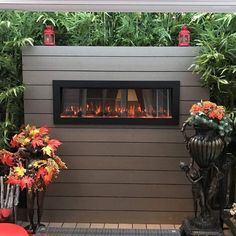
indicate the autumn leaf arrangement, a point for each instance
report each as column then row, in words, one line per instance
column 34, row 164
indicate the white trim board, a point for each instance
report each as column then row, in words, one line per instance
column 122, row 5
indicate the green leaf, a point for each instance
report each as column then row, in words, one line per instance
column 223, row 81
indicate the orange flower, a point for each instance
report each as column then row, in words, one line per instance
column 212, row 114
column 217, row 113
column 208, row 105
column 196, row 108
column 220, row 112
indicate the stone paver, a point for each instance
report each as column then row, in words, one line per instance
column 98, row 226
column 167, row 226
column 111, row 226
column 83, row 225
column 139, row 226
column 69, row 225
column 125, row 226
column 55, row 224
column 153, row 226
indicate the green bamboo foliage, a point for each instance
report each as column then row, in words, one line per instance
column 216, row 63
column 13, row 35
column 215, row 33
column 114, row 29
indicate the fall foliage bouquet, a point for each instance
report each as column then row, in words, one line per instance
column 208, row 114
column 34, row 164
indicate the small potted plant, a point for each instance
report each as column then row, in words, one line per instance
column 206, row 114
column 213, row 128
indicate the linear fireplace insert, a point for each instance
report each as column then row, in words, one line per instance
column 116, row 102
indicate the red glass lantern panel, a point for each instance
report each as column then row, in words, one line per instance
column 184, row 37
column 49, row 36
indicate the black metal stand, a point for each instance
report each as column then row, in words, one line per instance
column 31, row 195
column 226, row 191
column 189, row 229
column 209, row 191
column 209, row 179
column 205, row 183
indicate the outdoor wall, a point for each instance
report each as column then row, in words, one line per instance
column 118, row 173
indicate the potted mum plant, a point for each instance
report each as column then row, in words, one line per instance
column 34, row 165
column 213, row 128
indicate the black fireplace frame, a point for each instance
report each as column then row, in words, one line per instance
column 59, row 84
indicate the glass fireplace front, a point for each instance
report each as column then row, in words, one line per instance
column 112, row 102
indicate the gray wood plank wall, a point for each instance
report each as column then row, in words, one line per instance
column 117, row 173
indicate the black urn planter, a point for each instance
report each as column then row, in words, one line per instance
column 205, row 146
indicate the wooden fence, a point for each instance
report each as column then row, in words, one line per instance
column 117, row 173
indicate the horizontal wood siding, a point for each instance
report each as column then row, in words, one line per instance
column 123, row 162
column 123, row 148
column 122, row 176
column 119, row 190
column 117, row 204
column 135, row 217
column 46, row 77
column 106, row 64
column 116, row 173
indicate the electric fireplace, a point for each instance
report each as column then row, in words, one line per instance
column 116, row 102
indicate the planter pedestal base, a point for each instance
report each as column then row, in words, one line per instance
column 188, row 229
column 36, row 229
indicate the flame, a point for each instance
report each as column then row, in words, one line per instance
column 98, row 110
column 131, row 111
column 139, row 109
column 108, row 109
column 134, row 110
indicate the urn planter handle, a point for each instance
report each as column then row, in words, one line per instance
column 183, row 131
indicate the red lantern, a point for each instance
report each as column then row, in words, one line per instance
column 5, row 213
column 12, row 230
column 184, row 37
column 49, row 36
